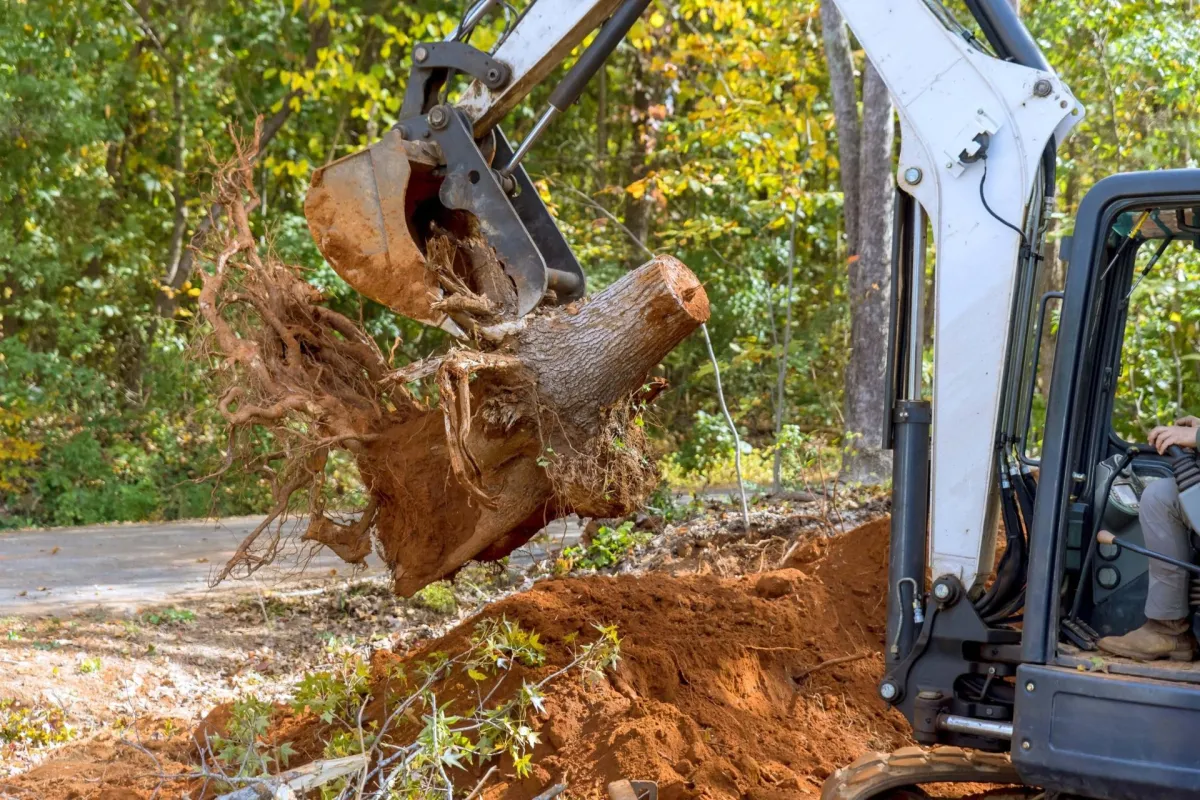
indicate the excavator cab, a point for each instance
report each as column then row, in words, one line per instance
column 1154, row 261
column 1093, row 723
column 990, row 651
column 1024, row 676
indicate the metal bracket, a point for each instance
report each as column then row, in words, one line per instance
column 520, row 229
column 432, row 64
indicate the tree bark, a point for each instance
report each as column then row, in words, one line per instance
column 845, row 114
column 865, row 167
column 870, row 290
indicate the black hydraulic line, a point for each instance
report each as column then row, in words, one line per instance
column 1007, row 612
column 1011, row 567
column 1025, row 496
column 1005, row 32
column 1085, row 570
column 593, row 58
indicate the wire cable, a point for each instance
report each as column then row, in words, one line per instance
column 986, row 207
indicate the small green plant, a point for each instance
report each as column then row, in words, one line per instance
column 335, row 694
column 32, row 727
column 607, row 548
column 663, row 504
column 89, row 665
column 437, row 597
column 169, row 616
column 242, row 747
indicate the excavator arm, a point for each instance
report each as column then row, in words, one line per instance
column 979, row 127
column 975, row 133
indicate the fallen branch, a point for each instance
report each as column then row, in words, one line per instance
column 296, row 782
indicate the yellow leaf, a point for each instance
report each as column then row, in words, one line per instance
column 657, row 20
column 193, row 292
column 1176, row 317
column 637, row 189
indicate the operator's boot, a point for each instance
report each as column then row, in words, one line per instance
column 1154, row 640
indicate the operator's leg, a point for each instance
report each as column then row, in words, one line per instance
column 1166, row 532
column 1165, row 634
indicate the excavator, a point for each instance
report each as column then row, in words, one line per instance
column 992, row 659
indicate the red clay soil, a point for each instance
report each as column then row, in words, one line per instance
column 725, row 687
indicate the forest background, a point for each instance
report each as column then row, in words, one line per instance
column 743, row 136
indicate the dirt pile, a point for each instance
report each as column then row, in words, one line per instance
column 757, row 686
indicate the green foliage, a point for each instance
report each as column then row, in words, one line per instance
column 607, row 548
column 715, row 126
column 335, row 694
column 708, row 443
column 663, row 504
column 89, row 665
column 1160, row 358
column 242, row 748
column 39, row 726
column 169, row 616
column 438, row 597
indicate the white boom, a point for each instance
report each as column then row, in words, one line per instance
column 947, row 93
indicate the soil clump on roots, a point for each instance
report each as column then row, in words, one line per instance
column 534, row 418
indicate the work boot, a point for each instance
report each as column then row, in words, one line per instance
column 1154, row 640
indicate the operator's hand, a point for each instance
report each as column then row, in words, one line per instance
column 1188, row 422
column 1164, row 436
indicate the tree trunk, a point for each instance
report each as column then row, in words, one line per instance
column 845, row 114
column 540, row 421
column 550, row 430
column 870, row 291
column 865, row 167
column 637, row 211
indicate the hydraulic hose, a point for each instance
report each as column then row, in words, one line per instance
column 1011, row 568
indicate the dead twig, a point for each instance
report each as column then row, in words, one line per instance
column 479, row 786
column 833, row 662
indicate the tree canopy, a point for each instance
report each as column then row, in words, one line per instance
column 710, row 135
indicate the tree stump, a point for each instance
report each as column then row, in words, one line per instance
column 536, row 419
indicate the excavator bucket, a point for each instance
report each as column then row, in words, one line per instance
column 360, row 210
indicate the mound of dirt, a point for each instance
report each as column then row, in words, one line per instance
column 757, row 686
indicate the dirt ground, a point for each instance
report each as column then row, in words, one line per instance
column 748, row 668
